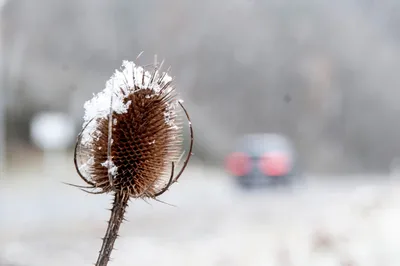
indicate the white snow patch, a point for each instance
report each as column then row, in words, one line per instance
column 112, row 168
column 125, row 81
column 86, row 166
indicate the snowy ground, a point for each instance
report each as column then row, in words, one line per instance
column 43, row 223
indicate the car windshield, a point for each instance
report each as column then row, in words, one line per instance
column 256, row 145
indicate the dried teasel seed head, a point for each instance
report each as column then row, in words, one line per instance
column 132, row 134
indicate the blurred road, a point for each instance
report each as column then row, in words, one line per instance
column 43, row 223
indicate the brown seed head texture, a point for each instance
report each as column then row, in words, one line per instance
column 145, row 138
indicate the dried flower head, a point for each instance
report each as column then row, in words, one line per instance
column 132, row 134
column 131, row 141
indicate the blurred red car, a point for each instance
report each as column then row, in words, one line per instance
column 263, row 160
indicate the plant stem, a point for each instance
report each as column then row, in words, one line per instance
column 117, row 215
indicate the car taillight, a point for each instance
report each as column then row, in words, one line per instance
column 274, row 164
column 238, row 164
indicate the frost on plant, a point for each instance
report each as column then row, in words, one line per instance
column 134, row 117
column 112, row 168
column 131, row 142
column 129, row 79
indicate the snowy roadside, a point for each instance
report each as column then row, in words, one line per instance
column 47, row 223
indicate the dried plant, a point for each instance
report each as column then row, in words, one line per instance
column 131, row 142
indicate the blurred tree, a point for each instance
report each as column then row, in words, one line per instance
column 311, row 69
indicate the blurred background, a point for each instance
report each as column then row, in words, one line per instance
column 322, row 73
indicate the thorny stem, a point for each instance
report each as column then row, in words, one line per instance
column 117, row 215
